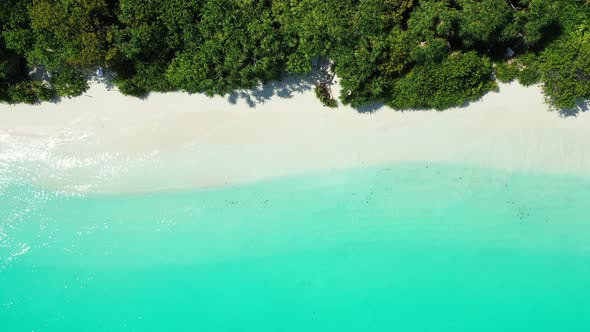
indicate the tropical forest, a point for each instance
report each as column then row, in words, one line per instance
column 407, row 54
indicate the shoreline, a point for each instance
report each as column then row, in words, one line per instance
column 106, row 142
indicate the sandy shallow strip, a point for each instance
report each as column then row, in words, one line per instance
column 104, row 141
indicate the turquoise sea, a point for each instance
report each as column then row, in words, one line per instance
column 413, row 247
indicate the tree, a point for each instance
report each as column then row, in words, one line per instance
column 481, row 23
column 241, row 47
column 69, row 82
column 15, row 84
column 460, row 78
column 69, row 33
column 391, row 51
column 565, row 68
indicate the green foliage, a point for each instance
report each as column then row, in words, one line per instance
column 405, row 53
column 525, row 68
column 460, row 78
column 565, row 68
column 538, row 21
column 323, row 93
column 69, row 83
column 21, row 92
column 69, row 33
column 15, row 83
column 430, row 26
column 372, row 52
column 506, row 71
column 240, row 47
column 30, row 92
column 481, row 23
column 42, row 90
column 149, row 35
column 132, row 87
column 529, row 71
column 312, row 28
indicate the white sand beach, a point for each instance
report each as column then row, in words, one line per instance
column 106, row 141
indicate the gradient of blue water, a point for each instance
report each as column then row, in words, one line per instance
column 411, row 247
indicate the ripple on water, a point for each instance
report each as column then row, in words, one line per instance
column 28, row 164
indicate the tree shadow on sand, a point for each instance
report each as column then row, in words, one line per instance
column 581, row 107
column 286, row 88
column 105, row 77
column 370, row 108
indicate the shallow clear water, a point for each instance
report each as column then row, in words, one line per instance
column 404, row 248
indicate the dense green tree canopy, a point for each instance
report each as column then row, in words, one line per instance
column 240, row 45
column 404, row 53
column 459, row 78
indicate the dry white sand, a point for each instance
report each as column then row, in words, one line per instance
column 106, row 141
